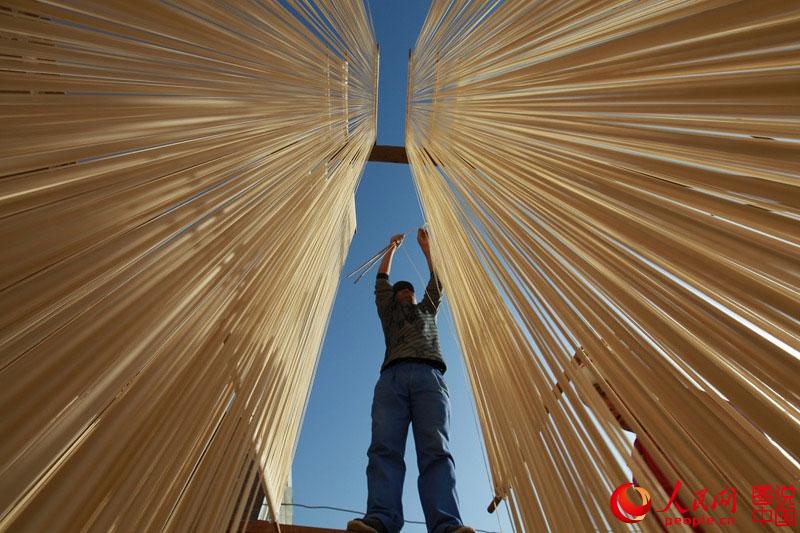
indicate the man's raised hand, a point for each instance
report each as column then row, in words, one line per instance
column 397, row 240
column 423, row 239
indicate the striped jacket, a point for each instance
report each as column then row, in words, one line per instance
column 410, row 329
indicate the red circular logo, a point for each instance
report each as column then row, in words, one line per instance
column 624, row 509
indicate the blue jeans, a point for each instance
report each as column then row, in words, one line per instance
column 411, row 392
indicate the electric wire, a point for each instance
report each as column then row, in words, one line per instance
column 361, row 513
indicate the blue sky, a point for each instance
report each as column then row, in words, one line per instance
column 330, row 464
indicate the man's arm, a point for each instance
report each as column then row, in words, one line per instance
column 383, row 289
column 433, row 292
column 386, row 264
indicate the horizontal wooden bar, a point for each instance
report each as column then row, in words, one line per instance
column 389, row 154
column 265, row 526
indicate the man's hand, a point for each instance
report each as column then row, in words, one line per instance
column 397, row 240
column 394, row 244
column 424, row 240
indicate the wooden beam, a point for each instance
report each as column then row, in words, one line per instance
column 389, row 154
column 264, row 526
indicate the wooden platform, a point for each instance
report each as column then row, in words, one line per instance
column 262, row 526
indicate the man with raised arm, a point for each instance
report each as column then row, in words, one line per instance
column 410, row 389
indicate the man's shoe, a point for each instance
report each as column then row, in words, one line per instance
column 461, row 529
column 367, row 525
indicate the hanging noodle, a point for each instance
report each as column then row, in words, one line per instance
column 616, row 212
column 176, row 202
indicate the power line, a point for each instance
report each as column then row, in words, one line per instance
column 360, row 513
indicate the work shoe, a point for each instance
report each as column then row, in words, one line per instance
column 461, row 529
column 367, row 525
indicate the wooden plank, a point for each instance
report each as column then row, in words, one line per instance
column 389, row 154
column 264, row 526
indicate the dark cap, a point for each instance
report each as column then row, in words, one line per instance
column 400, row 285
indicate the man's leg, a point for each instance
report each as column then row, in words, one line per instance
column 386, row 469
column 430, row 417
